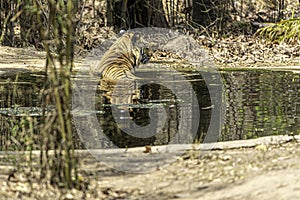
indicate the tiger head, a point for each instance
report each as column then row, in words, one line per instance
column 141, row 56
column 142, row 53
column 145, row 55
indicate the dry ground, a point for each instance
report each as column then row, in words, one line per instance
column 265, row 168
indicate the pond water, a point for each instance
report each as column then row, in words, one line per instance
column 255, row 103
column 260, row 103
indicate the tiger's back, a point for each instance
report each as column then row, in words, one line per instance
column 120, row 59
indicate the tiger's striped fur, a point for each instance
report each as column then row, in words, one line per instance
column 121, row 58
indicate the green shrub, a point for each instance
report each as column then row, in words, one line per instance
column 287, row 31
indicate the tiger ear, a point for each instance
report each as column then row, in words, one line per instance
column 121, row 32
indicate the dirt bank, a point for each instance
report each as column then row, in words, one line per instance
column 229, row 53
column 266, row 168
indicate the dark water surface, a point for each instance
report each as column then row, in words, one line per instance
column 255, row 103
column 260, row 103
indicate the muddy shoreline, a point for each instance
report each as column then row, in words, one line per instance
column 223, row 53
column 264, row 168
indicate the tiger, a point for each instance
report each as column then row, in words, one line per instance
column 117, row 65
column 120, row 60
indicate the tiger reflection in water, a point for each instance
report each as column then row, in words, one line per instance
column 118, row 64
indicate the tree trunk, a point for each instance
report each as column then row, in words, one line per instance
column 158, row 15
column 211, row 14
column 280, row 9
column 109, row 13
column 135, row 13
column 203, row 12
